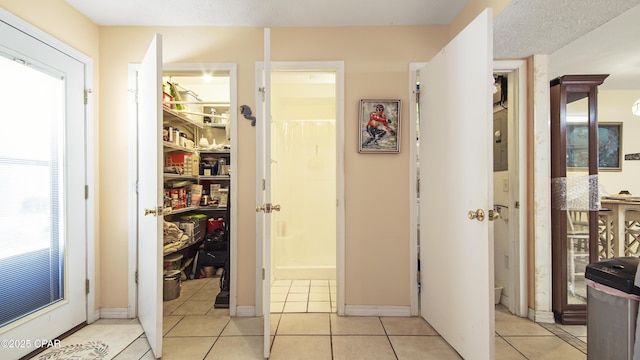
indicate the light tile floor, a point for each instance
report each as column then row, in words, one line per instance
column 296, row 296
column 194, row 329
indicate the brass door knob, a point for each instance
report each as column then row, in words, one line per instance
column 477, row 215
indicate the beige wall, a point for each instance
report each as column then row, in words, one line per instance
column 615, row 106
column 471, row 10
column 376, row 65
column 376, row 186
column 121, row 46
column 377, row 197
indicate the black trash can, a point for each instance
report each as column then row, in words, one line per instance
column 612, row 308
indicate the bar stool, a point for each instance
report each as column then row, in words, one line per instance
column 577, row 245
column 606, row 239
column 631, row 232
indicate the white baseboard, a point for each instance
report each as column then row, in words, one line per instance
column 374, row 310
column 93, row 316
column 245, row 311
column 545, row 317
column 114, row 313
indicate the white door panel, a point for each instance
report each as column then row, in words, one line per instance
column 456, row 170
column 263, row 188
column 150, row 195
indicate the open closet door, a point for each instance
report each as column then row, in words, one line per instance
column 263, row 186
column 150, row 195
column 456, row 251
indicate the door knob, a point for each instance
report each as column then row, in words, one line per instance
column 478, row 215
column 494, row 215
column 267, row 208
column 150, row 211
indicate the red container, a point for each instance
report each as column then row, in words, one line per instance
column 214, row 224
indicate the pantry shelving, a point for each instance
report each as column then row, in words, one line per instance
column 193, row 172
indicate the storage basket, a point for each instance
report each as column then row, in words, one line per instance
column 194, row 226
column 180, row 160
column 172, row 262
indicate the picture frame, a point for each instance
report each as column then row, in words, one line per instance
column 379, row 131
column 609, row 146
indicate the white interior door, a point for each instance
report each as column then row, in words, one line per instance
column 43, row 215
column 456, row 165
column 263, row 187
column 150, row 195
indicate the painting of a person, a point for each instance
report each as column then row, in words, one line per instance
column 378, row 125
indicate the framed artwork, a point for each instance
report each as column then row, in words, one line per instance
column 379, row 126
column 609, row 146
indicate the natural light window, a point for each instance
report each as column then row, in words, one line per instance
column 30, row 159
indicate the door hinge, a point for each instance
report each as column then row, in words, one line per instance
column 263, row 273
column 86, row 192
column 86, row 95
column 87, row 283
column 264, row 184
column 21, row 61
column 135, row 94
column 517, row 204
column 136, row 276
column 263, row 91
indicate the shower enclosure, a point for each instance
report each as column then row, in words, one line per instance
column 304, row 182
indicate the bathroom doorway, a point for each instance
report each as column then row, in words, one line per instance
column 304, row 173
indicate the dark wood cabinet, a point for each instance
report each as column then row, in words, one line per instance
column 574, row 191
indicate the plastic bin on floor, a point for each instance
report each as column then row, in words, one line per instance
column 612, row 308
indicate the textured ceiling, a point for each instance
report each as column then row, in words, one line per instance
column 582, row 37
column 613, row 48
column 523, row 28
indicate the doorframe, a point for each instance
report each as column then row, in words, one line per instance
column 517, row 289
column 517, row 157
column 414, row 203
column 92, row 312
column 338, row 67
column 133, row 178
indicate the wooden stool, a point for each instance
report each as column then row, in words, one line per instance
column 631, row 232
column 606, row 241
column 577, row 246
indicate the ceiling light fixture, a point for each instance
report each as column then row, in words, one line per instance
column 207, row 78
column 635, row 108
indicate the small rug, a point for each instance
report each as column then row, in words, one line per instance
column 101, row 340
column 90, row 350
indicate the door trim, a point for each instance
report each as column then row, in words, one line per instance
column 414, row 203
column 518, row 191
column 92, row 313
column 517, row 292
column 131, row 310
column 338, row 67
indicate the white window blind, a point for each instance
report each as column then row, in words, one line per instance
column 31, row 206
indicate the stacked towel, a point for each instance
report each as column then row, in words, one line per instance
column 173, row 237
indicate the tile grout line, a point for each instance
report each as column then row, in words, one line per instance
column 387, row 335
column 566, row 336
column 512, row 346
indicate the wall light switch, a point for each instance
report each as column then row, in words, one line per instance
column 505, row 184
